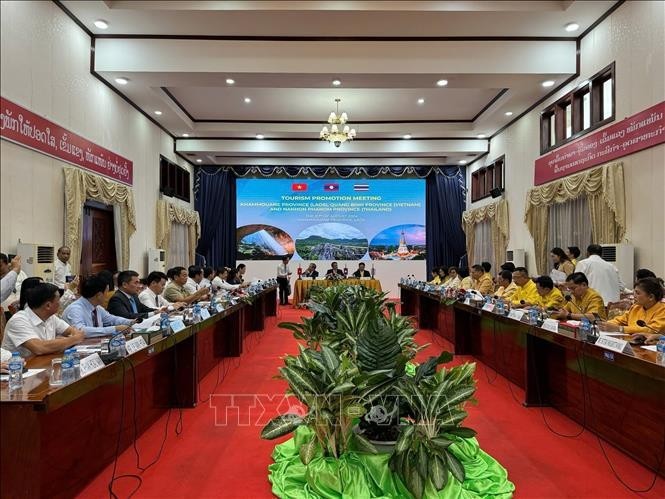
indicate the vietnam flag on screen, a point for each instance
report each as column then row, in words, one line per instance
column 331, row 187
column 299, row 187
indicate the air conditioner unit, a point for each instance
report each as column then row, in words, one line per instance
column 623, row 257
column 156, row 260
column 37, row 260
column 517, row 256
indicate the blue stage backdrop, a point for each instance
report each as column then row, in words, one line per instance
column 320, row 228
column 330, row 219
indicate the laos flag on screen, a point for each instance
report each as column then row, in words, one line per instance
column 332, row 187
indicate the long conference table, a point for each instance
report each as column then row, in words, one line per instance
column 302, row 287
column 618, row 396
column 56, row 439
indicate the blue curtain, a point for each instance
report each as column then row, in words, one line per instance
column 215, row 200
column 445, row 201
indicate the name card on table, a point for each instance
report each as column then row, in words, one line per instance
column 365, row 278
column 551, row 325
column 205, row 314
column 488, row 307
column 90, row 364
column 135, row 344
column 467, row 301
column 219, row 308
column 177, row 326
column 614, row 344
column 516, row 315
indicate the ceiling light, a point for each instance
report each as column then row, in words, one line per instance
column 421, row 101
column 185, row 135
column 481, row 135
column 548, row 83
column 199, row 160
column 158, row 113
column 572, row 27
column 339, row 131
column 260, row 136
column 247, row 100
column 407, row 136
column 508, row 113
column 336, row 83
column 230, row 81
column 101, row 24
column 442, row 83
column 462, row 161
column 121, row 81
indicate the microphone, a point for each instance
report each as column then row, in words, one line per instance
column 641, row 323
column 569, row 299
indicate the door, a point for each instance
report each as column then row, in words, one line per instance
column 98, row 248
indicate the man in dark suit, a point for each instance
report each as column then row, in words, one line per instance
column 334, row 272
column 311, row 271
column 125, row 302
column 361, row 272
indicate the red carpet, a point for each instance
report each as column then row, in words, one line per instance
column 230, row 461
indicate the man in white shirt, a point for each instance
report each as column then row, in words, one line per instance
column 12, row 277
column 208, row 275
column 37, row 329
column 193, row 283
column 62, row 267
column 602, row 275
column 152, row 295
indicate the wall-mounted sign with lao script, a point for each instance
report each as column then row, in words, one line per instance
column 628, row 136
column 19, row 125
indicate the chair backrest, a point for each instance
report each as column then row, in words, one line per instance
column 615, row 309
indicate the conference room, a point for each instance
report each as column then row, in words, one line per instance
column 332, row 249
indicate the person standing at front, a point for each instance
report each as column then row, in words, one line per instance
column 283, row 276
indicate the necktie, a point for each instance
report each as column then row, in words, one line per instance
column 133, row 305
column 95, row 322
column 157, row 300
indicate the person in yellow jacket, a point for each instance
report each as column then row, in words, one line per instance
column 549, row 296
column 648, row 308
column 482, row 281
column 436, row 278
column 526, row 289
column 584, row 301
column 507, row 287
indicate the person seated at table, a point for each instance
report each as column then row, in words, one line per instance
column 573, row 254
column 561, row 261
column 452, row 279
column 109, row 279
column 241, row 268
column 648, row 307
column 175, row 291
column 466, row 281
column 194, row 278
column 482, row 280
column 125, row 302
column 9, row 272
column 361, row 272
column 87, row 312
column 311, row 271
column 37, row 329
column 443, row 275
column 436, row 277
column 208, row 275
column 221, row 281
column 549, row 296
column 583, row 301
column 526, row 292
column 507, row 287
column 509, row 266
column 152, row 297
column 334, row 272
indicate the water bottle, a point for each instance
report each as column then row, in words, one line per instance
column 585, row 328
column 117, row 344
column 77, row 363
column 15, row 372
column 68, row 374
column 660, row 351
column 499, row 306
column 196, row 314
column 164, row 323
column 533, row 316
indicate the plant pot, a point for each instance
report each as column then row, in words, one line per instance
column 382, row 446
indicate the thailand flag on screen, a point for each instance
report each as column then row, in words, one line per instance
column 299, row 187
column 361, row 187
column 331, row 187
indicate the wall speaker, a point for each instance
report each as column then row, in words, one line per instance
column 496, row 192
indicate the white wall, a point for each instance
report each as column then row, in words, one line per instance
column 634, row 37
column 45, row 61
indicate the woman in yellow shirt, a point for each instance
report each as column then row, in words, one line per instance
column 549, row 297
column 573, row 254
column 436, row 279
column 648, row 308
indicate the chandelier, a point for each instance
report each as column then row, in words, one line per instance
column 339, row 131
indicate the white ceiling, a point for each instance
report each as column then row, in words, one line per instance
column 289, row 78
